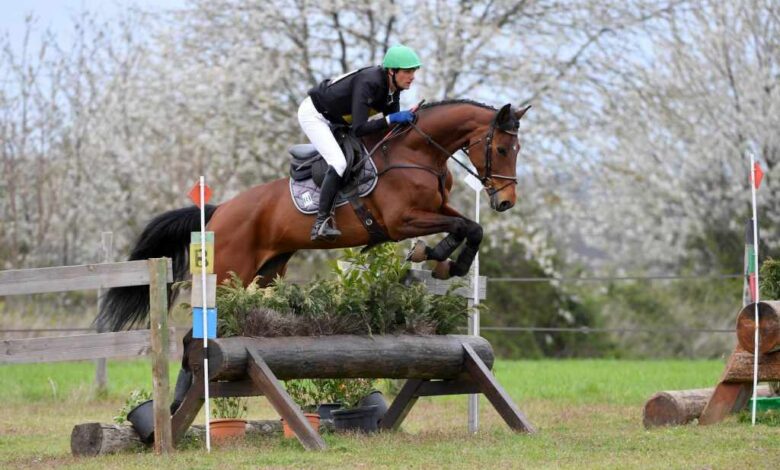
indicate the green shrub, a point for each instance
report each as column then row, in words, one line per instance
column 770, row 279
column 229, row 408
column 350, row 391
column 366, row 295
column 308, row 393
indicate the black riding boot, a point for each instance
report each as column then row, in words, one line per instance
column 322, row 229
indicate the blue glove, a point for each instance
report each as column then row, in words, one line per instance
column 400, row 117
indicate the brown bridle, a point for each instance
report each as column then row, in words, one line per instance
column 487, row 180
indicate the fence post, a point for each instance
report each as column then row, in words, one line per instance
column 158, row 315
column 101, row 374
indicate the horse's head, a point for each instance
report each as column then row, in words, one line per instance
column 494, row 154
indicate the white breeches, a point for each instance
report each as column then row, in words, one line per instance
column 317, row 129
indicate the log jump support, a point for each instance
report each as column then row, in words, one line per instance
column 432, row 365
column 736, row 384
column 480, row 380
column 262, row 382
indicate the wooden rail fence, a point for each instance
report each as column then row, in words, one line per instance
column 156, row 273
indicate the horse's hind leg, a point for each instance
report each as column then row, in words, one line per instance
column 273, row 265
column 183, row 384
column 184, row 379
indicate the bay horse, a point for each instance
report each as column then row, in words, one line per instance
column 257, row 231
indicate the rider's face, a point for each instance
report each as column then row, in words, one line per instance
column 404, row 78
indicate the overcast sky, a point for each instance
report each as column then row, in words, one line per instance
column 57, row 14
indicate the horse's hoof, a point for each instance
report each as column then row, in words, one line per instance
column 442, row 270
column 417, row 253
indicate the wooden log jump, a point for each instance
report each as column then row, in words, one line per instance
column 736, row 383
column 735, row 387
column 343, row 356
column 677, row 407
column 432, row 365
column 768, row 327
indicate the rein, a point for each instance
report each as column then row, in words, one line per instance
column 441, row 176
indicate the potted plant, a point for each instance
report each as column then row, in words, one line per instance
column 139, row 411
column 355, row 417
column 228, row 423
column 306, row 394
column 329, row 397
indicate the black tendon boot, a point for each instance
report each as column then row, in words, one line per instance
column 183, row 383
column 324, row 227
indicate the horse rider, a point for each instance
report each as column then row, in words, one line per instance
column 351, row 99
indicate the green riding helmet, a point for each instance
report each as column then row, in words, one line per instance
column 401, row 57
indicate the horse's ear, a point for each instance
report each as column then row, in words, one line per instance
column 504, row 116
column 521, row 112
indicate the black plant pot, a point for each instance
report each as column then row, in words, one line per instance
column 361, row 419
column 375, row 398
column 325, row 410
column 142, row 418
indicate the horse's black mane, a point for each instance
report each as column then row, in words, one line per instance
column 460, row 101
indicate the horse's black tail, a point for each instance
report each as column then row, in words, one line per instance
column 167, row 235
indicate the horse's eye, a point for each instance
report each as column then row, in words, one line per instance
column 502, row 150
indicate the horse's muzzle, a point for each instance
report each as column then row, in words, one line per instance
column 500, row 204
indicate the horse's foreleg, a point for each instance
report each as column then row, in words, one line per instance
column 444, row 248
column 419, row 223
column 466, row 256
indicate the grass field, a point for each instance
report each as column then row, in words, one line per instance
column 588, row 414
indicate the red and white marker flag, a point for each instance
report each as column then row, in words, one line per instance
column 200, row 192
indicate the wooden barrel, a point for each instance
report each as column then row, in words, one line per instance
column 344, row 356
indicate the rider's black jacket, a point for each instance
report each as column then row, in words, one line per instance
column 352, row 98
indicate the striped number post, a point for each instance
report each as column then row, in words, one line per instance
column 202, row 262
column 203, row 300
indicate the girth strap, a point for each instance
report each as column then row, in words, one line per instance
column 377, row 234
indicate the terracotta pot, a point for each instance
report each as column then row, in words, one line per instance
column 314, row 421
column 225, row 429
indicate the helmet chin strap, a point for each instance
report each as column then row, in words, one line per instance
column 395, row 84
